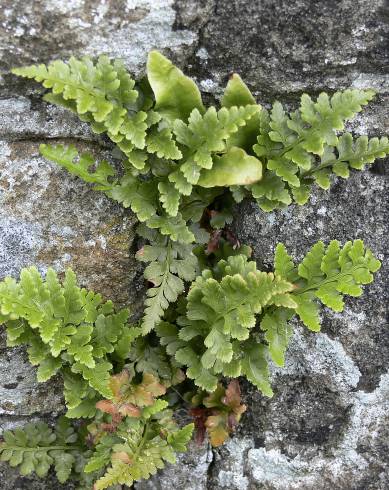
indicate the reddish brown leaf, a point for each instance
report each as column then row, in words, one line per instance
column 121, row 456
column 107, row 406
column 232, row 238
column 145, row 393
column 199, row 418
column 217, row 428
column 108, row 427
column 232, row 399
column 213, row 243
column 129, row 410
column 119, row 382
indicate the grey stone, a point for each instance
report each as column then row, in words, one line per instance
column 327, row 424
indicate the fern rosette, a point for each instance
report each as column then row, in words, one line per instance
column 209, row 314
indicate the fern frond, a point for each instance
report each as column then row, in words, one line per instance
column 139, row 195
column 207, row 134
column 63, row 325
column 221, row 308
column 100, row 91
column 304, row 147
column 35, row 448
column 175, row 94
column 218, row 413
column 139, row 447
column 171, row 263
column 329, row 273
column 218, row 335
column 348, row 153
column 154, row 360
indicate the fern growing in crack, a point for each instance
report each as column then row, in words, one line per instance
column 218, row 333
column 209, row 312
column 65, row 328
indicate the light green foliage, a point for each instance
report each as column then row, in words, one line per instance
column 172, row 149
column 139, row 451
column 153, row 359
column 209, row 312
column 222, row 306
column 80, row 165
column 35, row 448
column 232, row 169
column 101, row 92
column 327, row 273
column 218, row 333
column 238, row 94
column 64, row 326
column 170, row 264
column 175, row 94
column 207, row 134
column 304, row 147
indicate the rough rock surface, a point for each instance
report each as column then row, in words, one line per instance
column 327, row 425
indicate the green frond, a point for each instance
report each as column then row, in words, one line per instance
column 101, row 92
column 35, row 448
column 80, row 165
column 63, row 326
column 221, row 312
column 327, row 274
column 208, row 134
column 304, row 147
column 170, row 264
column 175, row 94
column 139, row 195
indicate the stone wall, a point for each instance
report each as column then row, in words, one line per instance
column 327, row 424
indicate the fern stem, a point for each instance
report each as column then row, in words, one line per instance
column 334, row 161
column 42, row 448
column 142, row 442
column 329, row 280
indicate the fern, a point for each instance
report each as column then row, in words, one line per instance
column 329, row 273
column 144, row 437
column 99, row 92
column 209, row 312
column 172, row 149
column 80, row 165
column 170, row 264
column 304, row 147
column 36, row 447
column 149, row 357
column 221, row 309
column 175, row 94
column 63, row 325
column 218, row 332
column 217, row 413
column 208, row 134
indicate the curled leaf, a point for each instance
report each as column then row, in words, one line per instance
column 235, row 167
